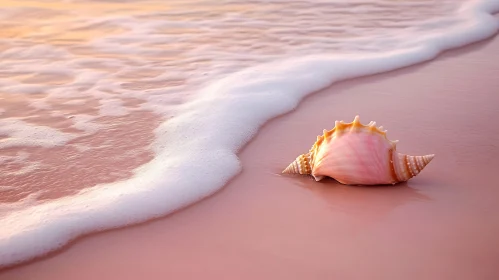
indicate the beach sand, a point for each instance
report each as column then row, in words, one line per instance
column 442, row 224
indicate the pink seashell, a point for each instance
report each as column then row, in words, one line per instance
column 357, row 154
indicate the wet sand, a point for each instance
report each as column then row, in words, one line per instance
column 440, row 225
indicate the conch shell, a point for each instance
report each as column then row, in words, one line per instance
column 357, row 154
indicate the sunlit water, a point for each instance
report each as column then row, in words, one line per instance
column 108, row 103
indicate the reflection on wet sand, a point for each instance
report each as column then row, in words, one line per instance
column 366, row 204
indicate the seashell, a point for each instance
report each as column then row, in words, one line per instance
column 357, row 154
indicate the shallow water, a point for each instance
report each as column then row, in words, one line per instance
column 91, row 91
column 77, row 74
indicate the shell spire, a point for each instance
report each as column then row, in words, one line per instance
column 301, row 165
column 406, row 166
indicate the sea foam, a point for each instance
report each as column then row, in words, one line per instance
column 211, row 129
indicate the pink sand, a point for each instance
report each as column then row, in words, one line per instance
column 443, row 224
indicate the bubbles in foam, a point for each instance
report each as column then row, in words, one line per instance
column 219, row 118
column 21, row 133
column 85, row 123
column 7, row 208
column 112, row 107
column 19, row 159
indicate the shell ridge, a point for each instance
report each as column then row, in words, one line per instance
column 391, row 164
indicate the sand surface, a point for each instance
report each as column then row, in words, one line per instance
column 440, row 225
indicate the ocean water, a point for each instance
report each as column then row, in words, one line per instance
column 115, row 112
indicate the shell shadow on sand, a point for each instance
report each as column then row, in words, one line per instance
column 366, row 204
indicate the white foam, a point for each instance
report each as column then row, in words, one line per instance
column 20, row 159
column 21, row 133
column 6, row 208
column 112, row 107
column 212, row 128
column 26, row 168
column 86, row 123
column 40, row 104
